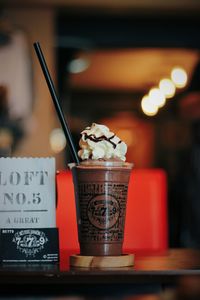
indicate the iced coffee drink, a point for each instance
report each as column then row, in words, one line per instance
column 101, row 186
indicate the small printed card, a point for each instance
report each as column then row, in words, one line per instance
column 29, row 245
column 27, row 193
column 28, row 230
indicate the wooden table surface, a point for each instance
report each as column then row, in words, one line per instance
column 150, row 269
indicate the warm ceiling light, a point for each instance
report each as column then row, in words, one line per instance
column 157, row 97
column 148, row 106
column 57, row 140
column 167, row 87
column 179, row 77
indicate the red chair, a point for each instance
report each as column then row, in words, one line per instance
column 146, row 226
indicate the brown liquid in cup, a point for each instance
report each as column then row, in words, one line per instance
column 101, row 196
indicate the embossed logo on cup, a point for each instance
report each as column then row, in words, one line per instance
column 102, row 213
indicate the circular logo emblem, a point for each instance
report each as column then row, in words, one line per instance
column 30, row 241
column 102, row 213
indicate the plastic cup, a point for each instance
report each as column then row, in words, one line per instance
column 101, row 195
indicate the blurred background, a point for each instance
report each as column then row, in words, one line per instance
column 131, row 65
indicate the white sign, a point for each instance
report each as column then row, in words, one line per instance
column 27, row 193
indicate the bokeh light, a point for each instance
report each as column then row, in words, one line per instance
column 78, row 65
column 148, row 106
column 179, row 77
column 57, row 140
column 167, row 87
column 157, row 97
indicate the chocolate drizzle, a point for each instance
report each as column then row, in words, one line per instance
column 95, row 139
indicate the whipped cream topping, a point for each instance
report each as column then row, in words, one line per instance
column 98, row 142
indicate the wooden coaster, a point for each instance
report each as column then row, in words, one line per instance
column 125, row 260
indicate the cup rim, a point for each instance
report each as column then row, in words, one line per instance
column 101, row 163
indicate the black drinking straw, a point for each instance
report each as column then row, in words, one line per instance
column 59, row 111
